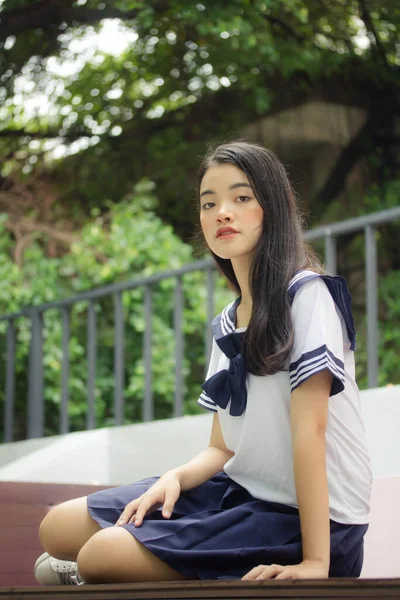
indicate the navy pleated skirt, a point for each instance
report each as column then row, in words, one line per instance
column 220, row 531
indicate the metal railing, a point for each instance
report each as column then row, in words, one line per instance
column 35, row 400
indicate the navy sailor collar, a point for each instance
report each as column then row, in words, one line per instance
column 224, row 323
column 230, row 384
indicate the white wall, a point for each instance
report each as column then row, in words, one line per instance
column 381, row 414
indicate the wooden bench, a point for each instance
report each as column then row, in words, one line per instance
column 334, row 589
column 23, row 506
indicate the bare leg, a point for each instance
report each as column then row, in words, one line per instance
column 66, row 528
column 113, row 555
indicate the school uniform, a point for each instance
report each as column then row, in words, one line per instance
column 248, row 514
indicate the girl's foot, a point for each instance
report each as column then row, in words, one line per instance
column 51, row 571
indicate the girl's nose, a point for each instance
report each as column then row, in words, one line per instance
column 224, row 211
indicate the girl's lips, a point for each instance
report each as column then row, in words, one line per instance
column 228, row 235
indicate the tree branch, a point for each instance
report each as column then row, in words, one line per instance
column 45, row 135
column 366, row 17
column 143, row 127
column 356, row 149
column 287, row 94
column 22, row 226
column 302, row 38
column 49, row 14
column 21, row 244
column 286, row 27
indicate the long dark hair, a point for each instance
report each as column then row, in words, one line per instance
column 279, row 253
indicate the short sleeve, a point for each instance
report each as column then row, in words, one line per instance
column 318, row 336
column 204, row 399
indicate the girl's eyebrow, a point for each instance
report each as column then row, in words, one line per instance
column 231, row 187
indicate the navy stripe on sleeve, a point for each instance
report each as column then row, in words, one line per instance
column 311, row 363
column 206, row 402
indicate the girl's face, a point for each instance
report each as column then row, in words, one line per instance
column 227, row 200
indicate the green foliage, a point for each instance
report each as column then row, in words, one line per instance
column 382, row 196
column 388, row 334
column 128, row 242
column 196, row 72
column 389, row 342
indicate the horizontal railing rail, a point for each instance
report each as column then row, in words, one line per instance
column 35, row 400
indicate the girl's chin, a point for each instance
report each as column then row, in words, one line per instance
column 228, row 256
column 230, row 253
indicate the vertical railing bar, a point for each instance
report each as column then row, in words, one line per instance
column 372, row 305
column 35, row 377
column 91, row 361
column 210, row 316
column 66, row 334
column 330, row 253
column 35, row 397
column 10, row 384
column 179, row 347
column 119, row 359
column 148, row 412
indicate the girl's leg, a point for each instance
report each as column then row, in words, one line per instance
column 66, row 528
column 113, row 555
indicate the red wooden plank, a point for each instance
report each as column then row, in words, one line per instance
column 25, row 536
column 332, row 588
column 43, row 493
column 22, row 508
column 20, row 515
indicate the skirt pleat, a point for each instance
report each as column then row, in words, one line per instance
column 220, row 531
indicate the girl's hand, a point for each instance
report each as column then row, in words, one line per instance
column 165, row 492
column 308, row 569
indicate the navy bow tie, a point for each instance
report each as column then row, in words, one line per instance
column 229, row 383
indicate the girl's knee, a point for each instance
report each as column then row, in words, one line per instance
column 113, row 555
column 49, row 529
column 99, row 560
column 63, row 526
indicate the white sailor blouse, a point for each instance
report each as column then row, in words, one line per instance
column 254, row 411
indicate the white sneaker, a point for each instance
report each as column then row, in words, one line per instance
column 51, row 571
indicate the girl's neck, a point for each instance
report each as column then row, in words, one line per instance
column 246, row 303
column 243, row 314
column 241, row 265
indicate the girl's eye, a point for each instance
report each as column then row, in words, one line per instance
column 238, row 198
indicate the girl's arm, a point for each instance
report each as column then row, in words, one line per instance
column 207, row 463
column 308, row 418
column 166, row 491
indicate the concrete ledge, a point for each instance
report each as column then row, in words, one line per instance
column 110, row 456
column 119, row 455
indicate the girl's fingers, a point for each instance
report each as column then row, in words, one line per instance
column 128, row 511
column 270, row 571
column 136, row 510
column 263, row 572
column 141, row 512
column 253, row 574
column 287, row 574
column 169, row 503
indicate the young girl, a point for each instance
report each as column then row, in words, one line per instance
column 283, row 489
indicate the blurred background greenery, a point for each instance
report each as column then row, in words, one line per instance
column 105, row 109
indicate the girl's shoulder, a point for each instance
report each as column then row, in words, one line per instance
column 300, row 278
column 323, row 290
